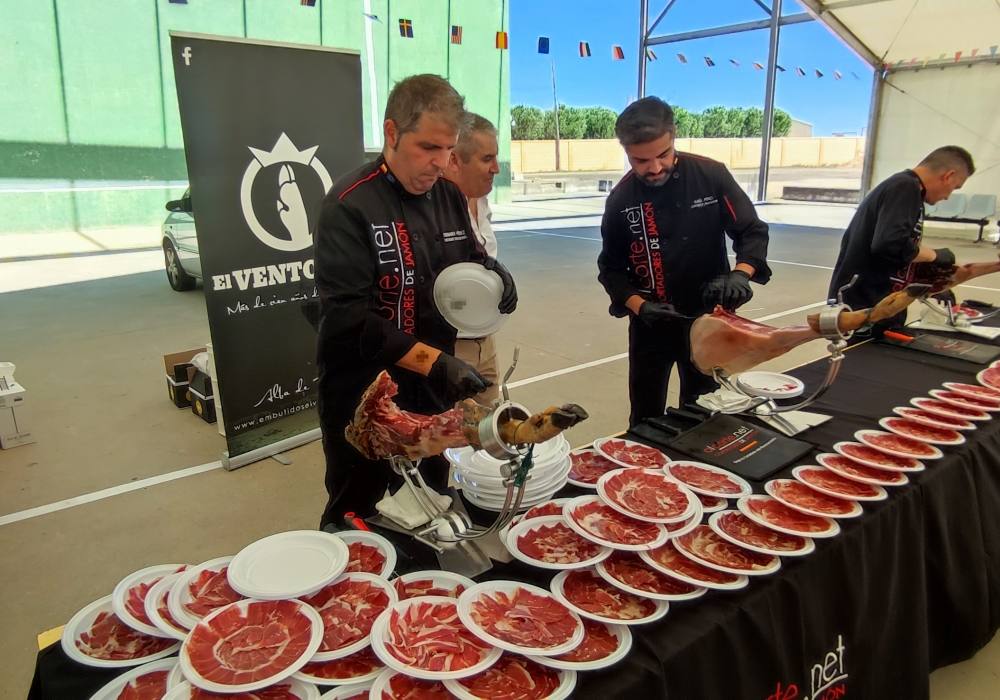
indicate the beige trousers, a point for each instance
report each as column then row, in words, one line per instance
column 481, row 353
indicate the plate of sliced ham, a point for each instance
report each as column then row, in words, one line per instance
column 671, row 562
column 515, row 676
column 349, row 607
column 708, row 480
column 550, row 543
column 147, row 681
column 431, row 582
column 603, row 645
column 424, row 638
column 684, row 527
column 586, row 593
column 949, row 410
column 553, row 507
column 704, row 546
column 360, row 667
column 711, row 504
column 990, row 377
column 919, row 431
column 737, row 528
column 587, row 466
column 963, row 401
column 769, row 512
column 878, row 459
column 289, row 689
column 897, row 445
column 856, row 471
column 935, row 420
column 832, row 484
column 95, row 636
column 521, row 618
column 628, row 571
column 801, row 497
column 129, row 597
column 648, row 494
column 627, row 453
column 158, row 612
column 368, row 552
column 600, row 523
column 358, row 691
column 250, row 644
column 199, row 590
column 392, row 685
column 974, row 391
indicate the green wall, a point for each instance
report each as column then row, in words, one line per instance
column 87, row 91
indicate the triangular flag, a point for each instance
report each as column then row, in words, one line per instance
column 958, row 56
column 819, row 73
column 758, row 66
column 800, row 71
column 682, row 58
column 837, row 75
column 373, row 18
column 617, row 54
column 543, row 44
column 406, row 28
column 584, row 49
column 734, row 62
column 709, row 62
column 856, row 76
column 779, row 67
column 651, row 55
column 502, row 40
column 456, row 34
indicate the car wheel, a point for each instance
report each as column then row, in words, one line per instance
column 179, row 279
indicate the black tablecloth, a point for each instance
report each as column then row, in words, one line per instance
column 911, row 585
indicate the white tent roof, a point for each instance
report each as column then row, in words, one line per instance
column 901, row 30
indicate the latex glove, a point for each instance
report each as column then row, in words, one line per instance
column 508, row 301
column 654, row 313
column 455, row 380
column 730, row 290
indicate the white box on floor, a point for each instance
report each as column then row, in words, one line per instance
column 12, row 396
column 14, row 427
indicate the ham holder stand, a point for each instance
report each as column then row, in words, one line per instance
column 941, row 316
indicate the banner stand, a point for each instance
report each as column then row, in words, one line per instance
column 275, row 448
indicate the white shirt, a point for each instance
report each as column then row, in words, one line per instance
column 482, row 226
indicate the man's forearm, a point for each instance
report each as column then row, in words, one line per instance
column 925, row 254
column 419, row 359
column 747, row 268
column 633, row 303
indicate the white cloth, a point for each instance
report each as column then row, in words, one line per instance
column 482, row 226
column 403, row 509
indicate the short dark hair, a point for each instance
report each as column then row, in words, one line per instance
column 644, row 120
column 949, row 158
column 472, row 124
column 413, row 96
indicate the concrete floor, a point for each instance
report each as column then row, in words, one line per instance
column 89, row 353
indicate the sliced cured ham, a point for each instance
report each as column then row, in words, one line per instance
column 599, row 642
column 670, row 561
column 249, row 642
column 365, row 558
column 282, row 691
column 949, row 410
column 110, row 639
column 708, row 481
column 975, row 391
column 629, row 569
column 605, row 524
column 135, row 600
column 348, row 607
column 358, row 665
column 832, row 483
column 646, row 494
column 851, row 469
column 587, row 466
column 556, row 543
column 920, row 431
column 403, row 687
column 708, row 548
column 710, row 504
column 737, row 527
column 631, row 454
column 869, row 456
column 799, row 496
column 149, row 686
column 962, row 401
column 935, row 420
column 592, row 594
column 897, row 445
column 426, row 586
column 524, row 618
column 209, row 591
column 544, row 509
column 990, row 377
column 427, row 635
column 513, row 677
column 772, row 513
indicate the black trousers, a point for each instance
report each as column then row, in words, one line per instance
column 652, row 354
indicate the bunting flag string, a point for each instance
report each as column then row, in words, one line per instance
column 617, row 53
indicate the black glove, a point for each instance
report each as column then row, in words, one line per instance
column 945, row 258
column 508, row 302
column 730, row 290
column 654, row 313
column 455, row 380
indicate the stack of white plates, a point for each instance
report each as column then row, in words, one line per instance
column 478, row 474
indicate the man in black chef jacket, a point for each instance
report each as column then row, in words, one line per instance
column 663, row 260
column 883, row 239
column 385, row 232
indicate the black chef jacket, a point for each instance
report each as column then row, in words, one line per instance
column 665, row 243
column 881, row 241
column 378, row 251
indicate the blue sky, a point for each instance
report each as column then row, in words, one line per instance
column 830, row 105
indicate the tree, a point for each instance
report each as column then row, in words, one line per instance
column 720, row 122
column 753, row 122
column 689, row 124
column 572, row 123
column 526, row 123
column 782, row 123
column 600, row 123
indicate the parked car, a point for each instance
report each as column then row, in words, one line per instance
column 180, row 245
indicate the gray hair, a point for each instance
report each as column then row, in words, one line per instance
column 472, row 124
column 949, row 158
column 426, row 93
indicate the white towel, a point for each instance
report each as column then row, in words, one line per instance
column 403, row 509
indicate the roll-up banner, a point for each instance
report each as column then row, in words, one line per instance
column 267, row 129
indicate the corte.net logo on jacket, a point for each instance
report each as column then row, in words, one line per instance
column 397, row 273
column 644, row 256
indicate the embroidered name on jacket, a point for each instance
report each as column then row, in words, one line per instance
column 397, row 273
column 645, row 258
column 454, row 236
column 704, row 201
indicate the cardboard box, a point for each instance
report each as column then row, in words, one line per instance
column 14, row 421
column 177, row 366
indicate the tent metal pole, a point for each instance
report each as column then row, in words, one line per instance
column 768, row 119
column 871, row 135
column 643, row 19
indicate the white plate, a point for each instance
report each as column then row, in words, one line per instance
column 380, row 685
column 891, row 478
column 599, row 447
column 603, row 572
column 842, row 447
column 316, row 637
column 176, row 676
column 772, row 385
column 372, row 539
column 441, row 579
column 934, row 406
column 567, row 682
column 981, row 376
column 661, row 537
column 531, row 524
column 913, row 413
column 81, row 623
column 473, row 594
column 301, row 689
column 772, row 566
column 662, row 606
column 584, row 484
column 832, row 530
column 380, row 636
column 303, row 675
column 744, row 486
column 686, row 527
column 179, row 594
column 161, row 591
column 881, row 493
column 974, row 391
column 713, row 522
column 693, row 504
column 360, row 644
column 113, row 688
column 963, row 402
column 467, row 295
column 120, row 594
column 888, row 421
column 497, row 506
column 720, row 504
column 347, row 691
column 772, row 491
column 740, row 582
column 288, row 564
column 865, row 436
column 624, row 636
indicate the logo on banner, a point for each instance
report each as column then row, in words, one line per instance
column 827, row 679
column 291, row 211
